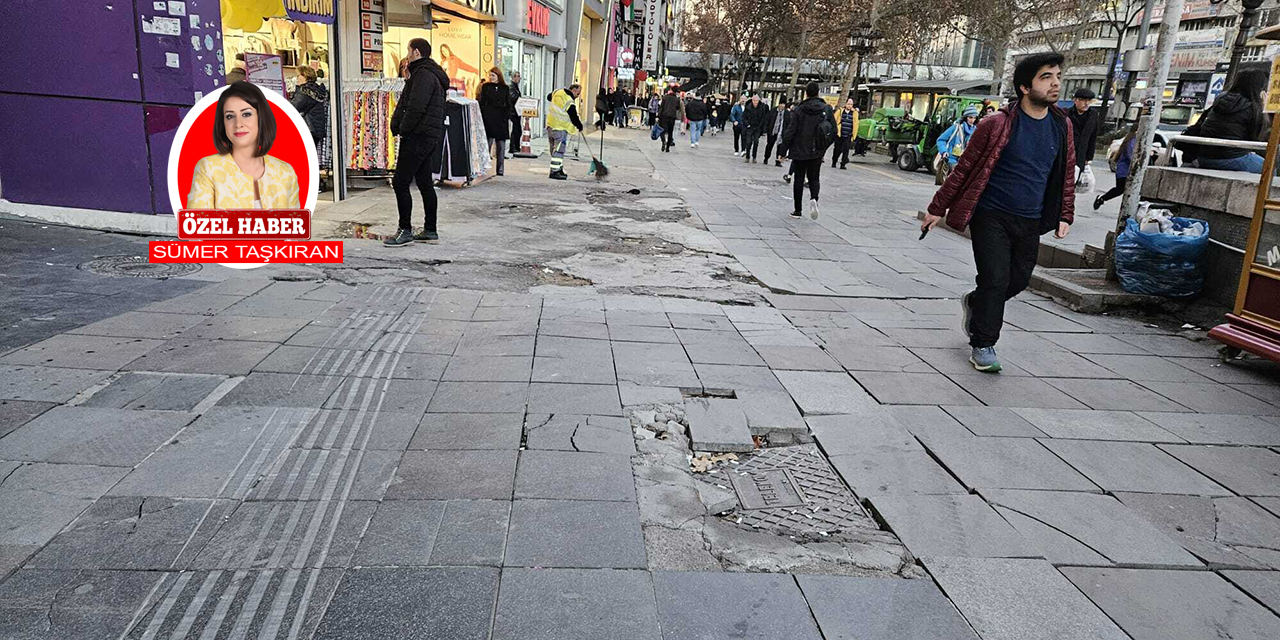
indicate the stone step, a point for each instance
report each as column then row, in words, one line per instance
column 717, row 424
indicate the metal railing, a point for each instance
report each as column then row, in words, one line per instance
column 1248, row 145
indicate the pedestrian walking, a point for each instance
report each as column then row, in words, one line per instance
column 668, row 113
column 495, row 105
column 952, row 143
column 604, row 110
column 777, row 121
column 562, row 122
column 847, row 128
column 655, row 101
column 755, row 119
column 311, row 99
column 683, row 117
column 517, row 131
column 419, row 121
column 618, row 101
column 735, row 117
column 1124, row 159
column 805, row 139
column 1084, row 124
column 1013, row 183
column 696, row 110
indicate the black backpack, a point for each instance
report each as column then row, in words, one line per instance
column 825, row 133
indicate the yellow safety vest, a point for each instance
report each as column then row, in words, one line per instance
column 558, row 113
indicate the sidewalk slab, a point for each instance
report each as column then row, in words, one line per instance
column 717, row 424
column 882, row 609
column 751, row 606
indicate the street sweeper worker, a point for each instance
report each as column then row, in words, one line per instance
column 562, row 122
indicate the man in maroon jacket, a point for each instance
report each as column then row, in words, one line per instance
column 1014, row 182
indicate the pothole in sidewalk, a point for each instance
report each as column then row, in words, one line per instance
column 774, row 509
column 552, row 276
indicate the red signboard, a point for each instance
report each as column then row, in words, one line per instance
column 244, row 224
column 537, row 18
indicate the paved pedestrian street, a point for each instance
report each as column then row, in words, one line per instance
column 674, row 413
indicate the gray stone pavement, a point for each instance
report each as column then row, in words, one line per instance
column 365, row 456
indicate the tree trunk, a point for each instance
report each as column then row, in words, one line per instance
column 848, row 79
column 1109, row 86
column 997, row 65
column 800, row 56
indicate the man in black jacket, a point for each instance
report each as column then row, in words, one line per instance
column 668, row 112
column 517, row 131
column 755, row 119
column 777, row 122
column 1085, row 125
column 419, row 121
column 806, row 146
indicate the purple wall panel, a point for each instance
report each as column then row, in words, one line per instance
column 162, row 127
column 74, row 153
column 67, row 48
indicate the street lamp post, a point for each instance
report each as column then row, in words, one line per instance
column 1248, row 20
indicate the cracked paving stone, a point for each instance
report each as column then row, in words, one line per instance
column 134, row 533
column 593, row 399
column 155, row 391
column 1087, row 529
column 38, row 603
column 326, row 474
column 37, row 500
column 1132, row 466
column 1020, row 599
column 567, row 475
column 951, row 526
column 1005, row 463
column 1264, row 586
column 732, row 605
column 1221, row 531
column 882, row 609
column 718, row 424
column 1248, row 471
column 576, row 604
column 1175, row 605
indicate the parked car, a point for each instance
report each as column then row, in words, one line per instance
column 1160, row 148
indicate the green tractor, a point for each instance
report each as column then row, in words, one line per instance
column 910, row 115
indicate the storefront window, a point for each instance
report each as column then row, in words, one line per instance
column 508, row 61
column 454, row 44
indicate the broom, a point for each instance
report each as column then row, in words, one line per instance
column 597, row 167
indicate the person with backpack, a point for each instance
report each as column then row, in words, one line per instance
column 806, row 138
column 1124, row 159
column 953, row 141
column 1015, row 182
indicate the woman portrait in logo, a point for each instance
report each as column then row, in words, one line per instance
column 242, row 175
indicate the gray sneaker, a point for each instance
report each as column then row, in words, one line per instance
column 984, row 359
column 966, row 314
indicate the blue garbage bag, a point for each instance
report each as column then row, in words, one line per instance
column 656, row 132
column 1161, row 264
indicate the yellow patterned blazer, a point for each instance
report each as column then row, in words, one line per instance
column 219, row 184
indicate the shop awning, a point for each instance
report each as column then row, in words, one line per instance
column 249, row 14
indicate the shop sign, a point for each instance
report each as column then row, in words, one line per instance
column 626, row 73
column 310, row 10
column 372, row 21
column 652, row 28
column 1273, row 89
column 487, row 7
column 1198, row 49
column 537, row 18
column 1217, row 83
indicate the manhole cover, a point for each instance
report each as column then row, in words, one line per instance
column 821, row 503
column 137, row 267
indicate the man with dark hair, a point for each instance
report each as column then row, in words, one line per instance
column 668, row 114
column 1084, row 122
column 419, row 121
column 1013, row 183
column 810, row 130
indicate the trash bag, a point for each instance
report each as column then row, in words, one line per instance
column 1161, row 264
column 1085, row 180
column 656, row 132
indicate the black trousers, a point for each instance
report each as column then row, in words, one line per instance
column 1005, row 247
column 1117, row 190
column 841, row 150
column 414, row 165
column 517, row 132
column 808, row 170
column 668, row 132
column 768, row 147
column 737, row 137
column 751, row 143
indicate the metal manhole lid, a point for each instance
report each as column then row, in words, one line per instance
column 137, row 267
column 828, row 505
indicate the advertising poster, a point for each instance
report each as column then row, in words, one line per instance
column 265, row 70
column 456, row 47
column 652, row 27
